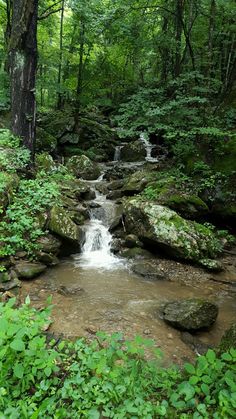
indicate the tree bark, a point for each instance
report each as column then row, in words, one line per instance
column 59, row 100
column 80, row 73
column 23, row 65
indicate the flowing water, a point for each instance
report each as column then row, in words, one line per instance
column 148, row 147
column 96, row 290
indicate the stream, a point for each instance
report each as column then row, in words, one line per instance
column 96, row 290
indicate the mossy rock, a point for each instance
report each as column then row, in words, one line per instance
column 61, row 224
column 192, row 314
column 83, row 167
column 162, row 228
column 133, row 151
column 44, row 162
column 45, row 141
column 8, row 184
column 137, row 182
column 189, row 206
column 29, row 270
column 57, row 123
column 49, row 244
column 228, row 340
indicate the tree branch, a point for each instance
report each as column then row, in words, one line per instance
column 42, row 17
column 50, row 7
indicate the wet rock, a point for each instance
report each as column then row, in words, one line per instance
column 117, row 222
column 116, row 184
column 133, row 151
column 191, row 314
column 137, row 182
column 76, row 189
column 132, row 241
column 113, row 195
column 228, row 340
column 69, row 202
column 49, row 244
column 194, row 343
column 9, row 285
column 149, row 270
column 117, row 245
column 47, row 259
column 29, row 270
column 62, row 225
column 134, row 252
column 212, row 265
column 162, row 228
column 83, row 167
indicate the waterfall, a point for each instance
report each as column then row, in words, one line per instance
column 117, row 154
column 96, row 252
column 148, row 147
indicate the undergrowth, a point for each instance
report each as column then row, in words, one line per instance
column 106, row 378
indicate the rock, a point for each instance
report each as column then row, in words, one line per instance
column 29, row 270
column 162, row 228
column 135, row 252
column 67, row 291
column 194, row 343
column 76, row 189
column 132, row 241
column 8, row 184
column 44, row 162
column 45, row 141
column 212, row 265
column 49, row 244
column 228, row 340
column 117, row 245
column 62, row 225
column 137, row 182
column 116, row 184
column 113, row 195
column 116, row 223
column 133, row 151
column 192, row 314
column 47, row 259
column 57, row 123
column 149, row 270
column 83, row 167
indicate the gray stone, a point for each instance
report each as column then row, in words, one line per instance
column 83, row 167
column 192, row 314
column 149, row 270
column 49, row 244
column 29, row 270
column 62, row 225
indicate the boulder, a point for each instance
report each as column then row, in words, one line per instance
column 228, row 340
column 132, row 241
column 29, row 270
column 162, row 228
column 192, row 314
column 76, row 189
column 133, row 151
column 62, row 225
column 135, row 252
column 47, row 258
column 45, row 162
column 49, row 244
column 83, row 167
column 137, row 182
column 149, row 270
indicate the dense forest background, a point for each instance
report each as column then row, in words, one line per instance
column 165, row 66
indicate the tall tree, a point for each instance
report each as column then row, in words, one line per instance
column 23, row 65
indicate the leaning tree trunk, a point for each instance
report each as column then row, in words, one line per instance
column 23, row 65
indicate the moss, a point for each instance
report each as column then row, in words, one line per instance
column 228, row 340
column 226, row 163
column 45, row 141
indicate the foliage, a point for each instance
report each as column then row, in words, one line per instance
column 21, row 225
column 13, row 156
column 108, row 377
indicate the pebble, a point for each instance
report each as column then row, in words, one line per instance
column 147, row 332
column 170, row 336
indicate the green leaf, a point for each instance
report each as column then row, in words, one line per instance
column 18, row 370
column 193, row 380
column 205, row 389
column 17, row 345
column 189, row 368
column 211, row 356
column 47, row 371
column 93, row 414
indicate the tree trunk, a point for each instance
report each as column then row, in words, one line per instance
column 80, row 74
column 178, row 35
column 211, row 31
column 23, row 65
column 59, row 100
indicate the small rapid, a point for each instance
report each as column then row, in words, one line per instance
column 148, row 147
column 96, row 251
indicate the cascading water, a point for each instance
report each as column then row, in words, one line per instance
column 149, row 147
column 117, row 154
column 96, row 252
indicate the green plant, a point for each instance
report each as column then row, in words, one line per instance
column 21, row 225
column 108, row 377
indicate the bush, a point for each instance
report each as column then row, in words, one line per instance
column 106, row 378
